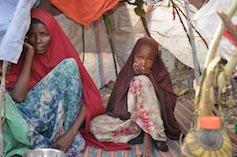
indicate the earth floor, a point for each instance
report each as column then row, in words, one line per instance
column 183, row 78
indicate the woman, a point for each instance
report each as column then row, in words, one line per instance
column 142, row 100
column 51, row 88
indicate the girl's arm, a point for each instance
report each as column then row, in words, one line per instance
column 21, row 86
column 142, row 71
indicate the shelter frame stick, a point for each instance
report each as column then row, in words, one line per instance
column 145, row 26
column 83, row 44
column 2, row 104
column 178, row 8
column 111, row 44
column 195, row 61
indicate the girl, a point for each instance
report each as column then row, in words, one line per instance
column 142, row 100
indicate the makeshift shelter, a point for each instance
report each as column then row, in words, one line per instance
column 105, row 44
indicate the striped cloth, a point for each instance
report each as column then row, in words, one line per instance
column 184, row 115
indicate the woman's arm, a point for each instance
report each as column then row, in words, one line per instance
column 65, row 141
column 20, row 88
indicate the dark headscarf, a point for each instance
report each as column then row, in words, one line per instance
column 117, row 105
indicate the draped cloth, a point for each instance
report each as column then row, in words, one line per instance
column 59, row 49
column 14, row 24
column 84, row 11
column 117, row 105
column 145, row 115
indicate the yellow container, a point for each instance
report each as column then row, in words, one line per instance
column 210, row 140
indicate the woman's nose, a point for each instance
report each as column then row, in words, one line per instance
column 38, row 39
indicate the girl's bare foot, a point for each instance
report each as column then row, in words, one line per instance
column 147, row 150
column 160, row 145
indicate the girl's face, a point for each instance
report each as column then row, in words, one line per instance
column 39, row 38
column 144, row 57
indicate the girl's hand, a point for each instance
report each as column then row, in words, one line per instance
column 139, row 70
column 64, row 141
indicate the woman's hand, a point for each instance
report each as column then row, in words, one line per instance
column 64, row 141
column 139, row 70
column 28, row 48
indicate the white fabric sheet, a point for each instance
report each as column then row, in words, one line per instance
column 208, row 21
column 14, row 23
column 170, row 34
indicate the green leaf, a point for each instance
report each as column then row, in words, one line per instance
column 140, row 12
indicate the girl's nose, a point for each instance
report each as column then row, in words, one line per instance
column 143, row 62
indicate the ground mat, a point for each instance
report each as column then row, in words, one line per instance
column 184, row 115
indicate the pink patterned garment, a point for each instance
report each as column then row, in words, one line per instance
column 145, row 114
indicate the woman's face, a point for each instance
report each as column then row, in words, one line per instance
column 144, row 57
column 39, row 37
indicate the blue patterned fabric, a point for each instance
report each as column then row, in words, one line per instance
column 52, row 105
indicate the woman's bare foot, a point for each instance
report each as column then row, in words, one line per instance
column 147, row 150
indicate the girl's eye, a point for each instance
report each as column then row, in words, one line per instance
column 139, row 57
column 150, row 59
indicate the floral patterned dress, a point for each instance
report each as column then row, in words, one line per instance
column 143, row 106
column 52, row 105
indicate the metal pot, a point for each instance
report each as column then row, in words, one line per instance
column 45, row 152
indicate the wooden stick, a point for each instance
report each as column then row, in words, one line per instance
column 2, row 103
column 192, row 43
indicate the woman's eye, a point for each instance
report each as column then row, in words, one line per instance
column 44, row 34
column 31, row 35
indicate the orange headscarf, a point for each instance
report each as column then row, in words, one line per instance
column 59, row 49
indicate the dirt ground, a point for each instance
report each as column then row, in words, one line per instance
column 182, row 79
